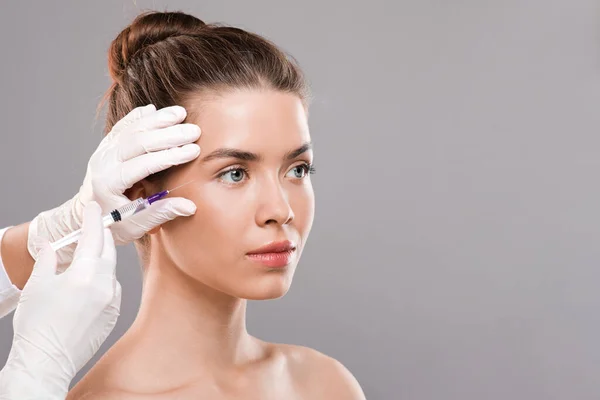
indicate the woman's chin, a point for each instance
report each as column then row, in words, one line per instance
column 267, row 289
column 265, row 296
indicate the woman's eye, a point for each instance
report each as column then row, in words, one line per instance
column 233, row 175
column 299, row 171
column 237, row 175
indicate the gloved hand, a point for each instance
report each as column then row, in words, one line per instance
column 142, row 143
column 61, row 320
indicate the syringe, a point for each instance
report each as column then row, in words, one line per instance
column 116, row 215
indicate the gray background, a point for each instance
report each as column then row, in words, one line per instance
column 455, row 250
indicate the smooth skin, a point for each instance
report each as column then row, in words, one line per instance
column 189, row 339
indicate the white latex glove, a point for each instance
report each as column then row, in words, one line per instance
column 62, row 319
column 142, row 143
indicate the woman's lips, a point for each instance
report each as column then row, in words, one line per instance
column 273, row 260
column 274, row 255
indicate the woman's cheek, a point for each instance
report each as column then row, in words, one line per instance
column 222, row 204
column 302, row 202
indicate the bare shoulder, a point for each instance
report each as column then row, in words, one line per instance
column 83, row 392
column 326, row 377
column 100, row 395
column 93, row 387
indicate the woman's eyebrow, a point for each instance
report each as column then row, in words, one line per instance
column 290, row 155
column 248, row 156
column 232, row 153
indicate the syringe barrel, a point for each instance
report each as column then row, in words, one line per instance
column 72, row 237
column 116, row 215
column 132, row 208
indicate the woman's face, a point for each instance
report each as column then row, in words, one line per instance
column 252, row 189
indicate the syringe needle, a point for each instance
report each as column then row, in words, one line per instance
column 170, row 190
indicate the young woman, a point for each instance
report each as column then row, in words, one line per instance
column 255, row 207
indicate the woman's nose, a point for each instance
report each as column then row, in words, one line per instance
column 274, row 206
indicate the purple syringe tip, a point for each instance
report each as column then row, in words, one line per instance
column 164, row 193
column 157, row 196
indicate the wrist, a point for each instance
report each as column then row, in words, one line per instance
column 17, row 261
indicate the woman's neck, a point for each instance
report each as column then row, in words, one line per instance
column 200, row 321
column 185, row 331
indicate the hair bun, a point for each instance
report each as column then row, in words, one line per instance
column 147, row 29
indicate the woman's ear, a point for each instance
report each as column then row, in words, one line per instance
column 139, row 189
column 153, row 231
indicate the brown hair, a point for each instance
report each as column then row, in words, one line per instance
column 163, row 58
column 166, row 58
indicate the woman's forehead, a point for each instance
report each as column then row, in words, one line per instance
column 252, row 120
